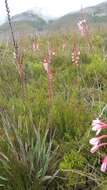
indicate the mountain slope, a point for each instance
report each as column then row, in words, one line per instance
column 96, row 16
column 24, row 23
column 34, row 20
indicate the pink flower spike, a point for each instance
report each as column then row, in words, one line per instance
column 104, row 165
column 45, row 64
column 37, row 46
column 83, row 27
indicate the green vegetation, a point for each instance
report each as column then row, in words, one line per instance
column 45, row 145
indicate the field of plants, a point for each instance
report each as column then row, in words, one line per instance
column 45, row 117
column 53, row 99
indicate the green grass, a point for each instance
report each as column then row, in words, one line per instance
column 46, row 146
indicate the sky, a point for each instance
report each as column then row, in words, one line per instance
column 54, row 8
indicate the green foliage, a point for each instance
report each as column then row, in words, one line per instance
column 31, row 127
column 30, row 160
column 73, row 161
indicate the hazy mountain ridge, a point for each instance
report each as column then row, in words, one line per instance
column 37, row 20
column 24, row 23
column 96, row 15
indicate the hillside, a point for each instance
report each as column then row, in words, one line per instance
column 96, row 15
column 32, row 21
column 24, row 23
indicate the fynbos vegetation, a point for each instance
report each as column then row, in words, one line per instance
column 52, row 89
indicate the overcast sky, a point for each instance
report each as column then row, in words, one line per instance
column 55, row 8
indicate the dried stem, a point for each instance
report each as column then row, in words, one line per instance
column 50, row 88
column 11, row 28
column 19, row 56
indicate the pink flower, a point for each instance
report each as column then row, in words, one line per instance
column 46, row 64
column 83, row 27
column 104, row 165
column 75, row 55
column 98, row 125
column 47, row 68
column 97, row 147
column 53, row 52
column 94, row 149
column 96, row 140
column 35, row 46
